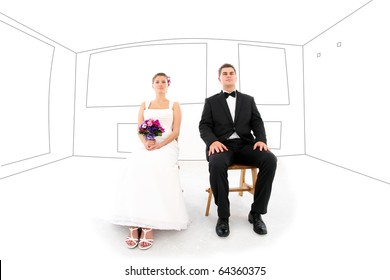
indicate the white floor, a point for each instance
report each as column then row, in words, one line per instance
column 324, row 222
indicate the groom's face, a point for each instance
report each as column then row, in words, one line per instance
column 228, row 77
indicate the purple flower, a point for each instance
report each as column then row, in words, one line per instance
column 150, row 129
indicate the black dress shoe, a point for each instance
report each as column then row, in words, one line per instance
column 222, row 227
column 258, row 225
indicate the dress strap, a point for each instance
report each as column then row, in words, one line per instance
column 171, row 104
column 147, row 104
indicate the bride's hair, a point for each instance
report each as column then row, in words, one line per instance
column 163, row 75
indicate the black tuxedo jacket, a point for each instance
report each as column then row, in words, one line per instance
column 216, row 123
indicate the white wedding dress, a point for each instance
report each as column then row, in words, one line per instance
column 149, row 193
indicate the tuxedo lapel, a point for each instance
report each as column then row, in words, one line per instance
column 238, row 106
column 222, row 101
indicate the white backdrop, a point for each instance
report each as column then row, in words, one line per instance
column 111, row 83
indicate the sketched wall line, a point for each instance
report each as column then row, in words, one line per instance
column 37, row 99
column 15, row 93
column 296, row 113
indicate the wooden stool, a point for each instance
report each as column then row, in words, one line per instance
column 243, row 186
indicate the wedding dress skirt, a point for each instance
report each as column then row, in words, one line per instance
column 149, row 193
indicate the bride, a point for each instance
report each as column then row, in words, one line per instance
column 149, row 194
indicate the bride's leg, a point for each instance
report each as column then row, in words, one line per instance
column 132, row 239
column 146, row 240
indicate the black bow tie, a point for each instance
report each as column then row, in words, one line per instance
column 232, row 94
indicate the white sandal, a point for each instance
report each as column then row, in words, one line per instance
column 148, row 241
column 130, row 239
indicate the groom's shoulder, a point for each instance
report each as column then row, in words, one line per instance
column 213, row 97
column 244, row 94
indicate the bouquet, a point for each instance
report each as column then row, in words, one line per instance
column 150, row 129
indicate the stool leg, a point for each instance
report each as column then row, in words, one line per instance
column 242, row 181
column 208, row 201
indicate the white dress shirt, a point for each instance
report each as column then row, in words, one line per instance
column 231, row 102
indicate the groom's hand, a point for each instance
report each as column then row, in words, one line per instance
column 217, row 147
column 261, row 145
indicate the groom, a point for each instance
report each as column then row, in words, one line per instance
column 232, row 128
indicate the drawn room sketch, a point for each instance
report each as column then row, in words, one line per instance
column 77, row 102
column 72, row 77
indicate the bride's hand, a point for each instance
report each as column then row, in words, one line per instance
column 149, row 144
column 157, row 146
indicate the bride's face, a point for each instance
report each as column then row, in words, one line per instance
column 160, row 84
